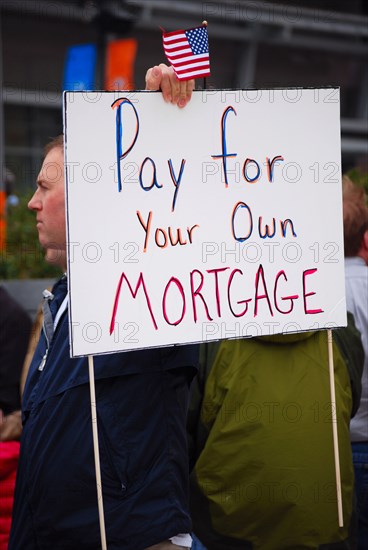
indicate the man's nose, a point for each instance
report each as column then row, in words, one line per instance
column 34, row 203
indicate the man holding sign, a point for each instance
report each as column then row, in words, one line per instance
column 141, row 410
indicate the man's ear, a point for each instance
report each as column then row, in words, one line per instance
column 364, row 247
column 365, row 240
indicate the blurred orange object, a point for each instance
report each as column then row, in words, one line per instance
column 120, row 58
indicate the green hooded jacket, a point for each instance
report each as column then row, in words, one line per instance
column 261, row 444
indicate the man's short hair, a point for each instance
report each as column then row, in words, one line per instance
column 58, row 141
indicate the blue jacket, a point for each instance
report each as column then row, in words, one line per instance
column 141, row 408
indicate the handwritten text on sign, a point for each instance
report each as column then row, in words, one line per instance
column 220, row 220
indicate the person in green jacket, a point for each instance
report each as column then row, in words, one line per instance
column 261, row 443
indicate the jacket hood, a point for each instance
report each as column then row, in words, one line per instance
column 288, row 338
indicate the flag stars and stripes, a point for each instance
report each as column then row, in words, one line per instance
column 188, row 53
column 198, row 40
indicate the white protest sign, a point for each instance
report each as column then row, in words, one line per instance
column 220, row 220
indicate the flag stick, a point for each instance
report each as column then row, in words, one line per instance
column 96, row 451
column 205, row 24
column 334, row 427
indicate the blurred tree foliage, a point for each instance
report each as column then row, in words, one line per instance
column 23, row 257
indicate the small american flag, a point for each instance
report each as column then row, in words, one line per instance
column 188, row 53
